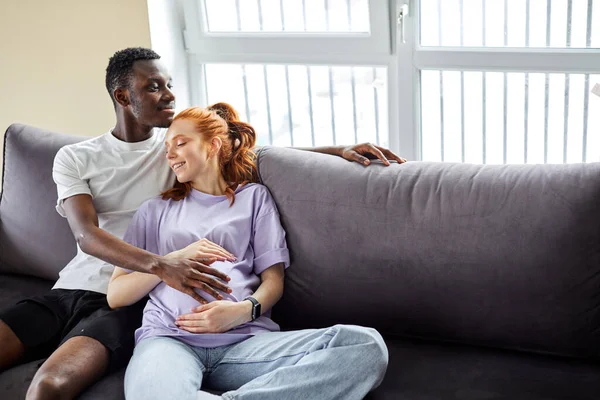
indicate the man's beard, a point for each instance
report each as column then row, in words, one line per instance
column 137, row 110
column 166, row 124
column 136, row 106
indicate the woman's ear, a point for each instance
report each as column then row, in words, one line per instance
column 215, row 146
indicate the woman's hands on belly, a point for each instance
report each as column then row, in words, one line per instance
column 216, row 317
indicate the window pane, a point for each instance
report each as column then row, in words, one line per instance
column 301, row 105
column 510, row 23
column 499, row 118
column 296, row 16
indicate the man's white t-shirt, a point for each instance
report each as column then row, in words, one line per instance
column 119, row 176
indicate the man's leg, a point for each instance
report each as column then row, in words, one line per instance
column 163, row 368
column 75, row 365
column 99, row 342
column 12, row 348
column 31, row 329
column 341, row 362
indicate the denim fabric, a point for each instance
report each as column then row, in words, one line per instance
column 341, row 362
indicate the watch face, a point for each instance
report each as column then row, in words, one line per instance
column 256, row 311
column 255, row 307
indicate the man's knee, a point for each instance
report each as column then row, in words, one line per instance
column 47, row 386
column 75, row 365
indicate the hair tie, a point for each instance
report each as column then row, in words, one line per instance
column 236, row 137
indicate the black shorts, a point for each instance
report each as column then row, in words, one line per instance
column 43, row 323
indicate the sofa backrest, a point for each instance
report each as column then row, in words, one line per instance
column 34, row 239
column 505, row 256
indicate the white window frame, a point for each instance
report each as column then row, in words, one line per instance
column 413, row 58
column 356, row 49
column 228, row 46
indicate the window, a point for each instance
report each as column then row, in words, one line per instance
column 338, row 16
column 507, row 81
column 312, row 73
column 509, row 117
column 301, row 105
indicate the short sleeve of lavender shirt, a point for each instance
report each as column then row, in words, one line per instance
column 269, row 243
column 136, row 231
column 135, row 234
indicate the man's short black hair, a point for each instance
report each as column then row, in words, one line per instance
column 120, row 67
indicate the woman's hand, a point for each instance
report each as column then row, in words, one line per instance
column 216, row 317
column 204, row 251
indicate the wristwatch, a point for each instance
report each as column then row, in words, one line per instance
column 255, row 307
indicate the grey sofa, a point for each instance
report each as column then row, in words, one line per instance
column 484, row 280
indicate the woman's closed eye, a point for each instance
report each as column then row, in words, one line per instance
column 181, row 144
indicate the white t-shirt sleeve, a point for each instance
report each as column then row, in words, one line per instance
column 67, row 178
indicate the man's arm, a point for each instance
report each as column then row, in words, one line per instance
column 360, row 153
column 180, row 273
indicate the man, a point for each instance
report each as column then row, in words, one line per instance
column 100, row 183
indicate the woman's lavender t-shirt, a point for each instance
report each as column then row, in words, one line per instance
column 250, row 229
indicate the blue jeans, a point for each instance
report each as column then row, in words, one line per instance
column 341, row 362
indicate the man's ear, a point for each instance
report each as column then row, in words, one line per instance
column 122, row 96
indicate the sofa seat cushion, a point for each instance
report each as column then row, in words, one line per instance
column 421, row 370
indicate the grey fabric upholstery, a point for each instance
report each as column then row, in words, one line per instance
column 504, row 256
column 34, row 239
column 473, row 260
column 18, row 287
column 429, row 371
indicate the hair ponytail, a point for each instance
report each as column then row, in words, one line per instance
column 239, row 165
column 237, row 161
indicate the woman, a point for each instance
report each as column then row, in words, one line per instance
column 230, row 343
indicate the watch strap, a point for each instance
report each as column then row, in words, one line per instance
column 256, row 308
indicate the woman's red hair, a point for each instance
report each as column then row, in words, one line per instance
column 238, row 165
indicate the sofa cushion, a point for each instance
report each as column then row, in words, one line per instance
column 34, row 239
column 496, row 255
column 420, row 370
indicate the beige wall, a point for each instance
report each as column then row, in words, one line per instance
column 53, row 55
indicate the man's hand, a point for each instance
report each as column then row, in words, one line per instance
column 188, row 268
column 186, row 275
column 215, row 317
column 362, row 153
